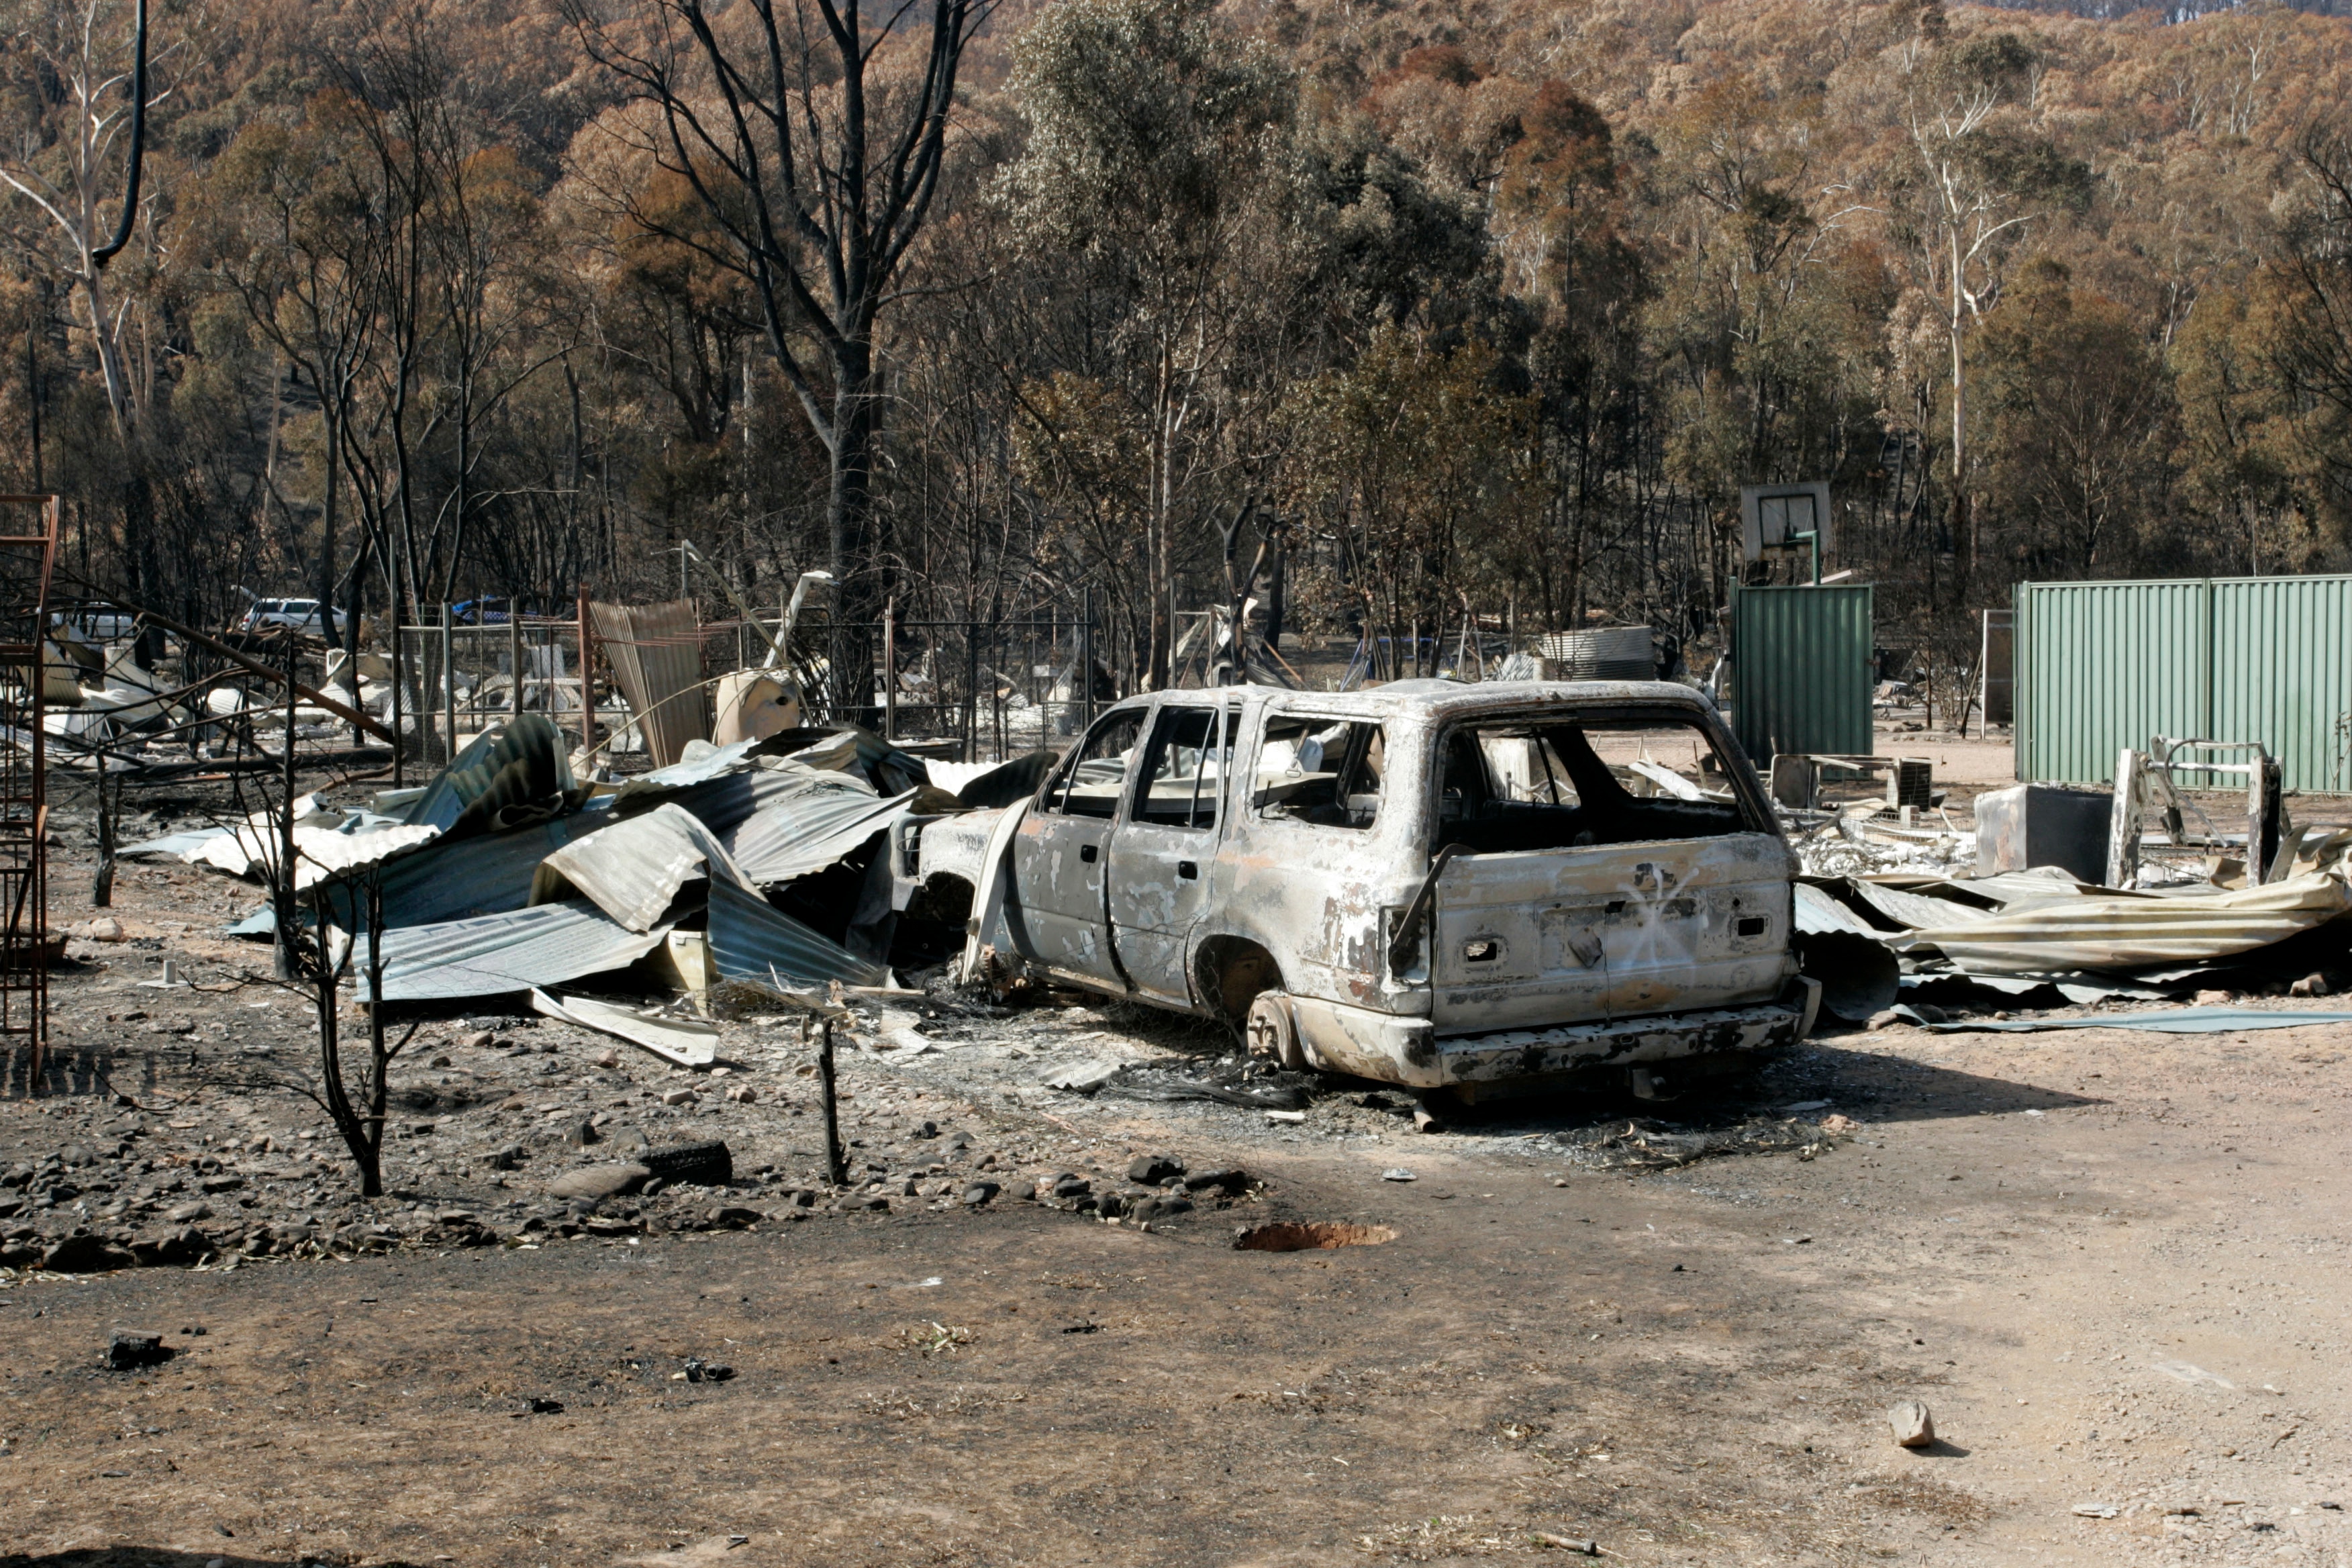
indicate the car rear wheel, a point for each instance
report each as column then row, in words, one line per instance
column 1272, row 1032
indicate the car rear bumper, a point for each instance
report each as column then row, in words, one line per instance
column 1392, row 1049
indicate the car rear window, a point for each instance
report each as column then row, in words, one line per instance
column 1555, row 783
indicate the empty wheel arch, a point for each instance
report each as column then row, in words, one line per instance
column 1228, row 973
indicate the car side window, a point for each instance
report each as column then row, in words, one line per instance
column 1184, row 767
column 1091, row 783
column 1326, row 772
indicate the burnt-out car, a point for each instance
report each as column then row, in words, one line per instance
column 1428, row 883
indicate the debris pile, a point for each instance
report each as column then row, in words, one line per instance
column 766, row 863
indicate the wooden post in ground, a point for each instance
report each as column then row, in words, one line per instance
column 836, row 1166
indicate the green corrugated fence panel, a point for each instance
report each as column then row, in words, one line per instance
column 2100, row 663
column 1800, row 669
column 2283, row 672
column 2106, row 666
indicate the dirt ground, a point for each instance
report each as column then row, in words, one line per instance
column 2110, row 1264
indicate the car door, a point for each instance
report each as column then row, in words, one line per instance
column 1056, row 913
column 1165, row 843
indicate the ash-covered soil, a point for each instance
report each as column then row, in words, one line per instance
column 2109, row 1263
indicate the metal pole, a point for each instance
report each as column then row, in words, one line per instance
column 971, row 691
column 514, row 656
column 587, row 679
column 1085, row 692
column 449, row 675
column 836, row 1166
column 890, row 668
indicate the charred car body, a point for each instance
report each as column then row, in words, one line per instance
column 1427, row 884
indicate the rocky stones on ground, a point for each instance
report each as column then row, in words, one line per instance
column 87, row 1254
column 612, row 1180
column 131, row 1349
column 2311, row 985
column 1913, row 1426
column 1152, row 1170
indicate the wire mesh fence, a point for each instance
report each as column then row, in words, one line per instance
column 971, row 691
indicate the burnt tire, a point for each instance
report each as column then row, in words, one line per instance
column 1273, row 1031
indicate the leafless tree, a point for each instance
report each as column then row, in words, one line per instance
column 814, row 137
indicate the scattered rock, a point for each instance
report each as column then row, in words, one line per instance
column 105, row 928
column 735, row 1218
column 679, row 1097
column 1838, row 1124
column 581, row 1134
column 1085, row 1079
column 507, row 1159
column 1228, row 1180
column 87, row 1255
column 598, row 1181
column 546, row 1407
column 1884, row 1018
column 1913, row 1426
column 1399, row 1173
column 2212, row 998
column 2311, row 985
column 479, row 1040
column 132, row 1349
column 2097, row 1510
column 1152, row 1170
column 979, row 1193
column 188, row 1213
column 1070, row 1187
column 177, row 1251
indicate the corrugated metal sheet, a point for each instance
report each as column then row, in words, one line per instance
column 791, row 836
column 523, row 766
column 2283, row 673
column 489, row 956
column 457, row 880
column 2125, row 933
column 725, row 803
column 657, row 656
column 1801, row 670
column 2102, row 667
column 633, row 869
column 752, row 939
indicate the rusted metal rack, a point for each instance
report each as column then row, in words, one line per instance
column 27, row 559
